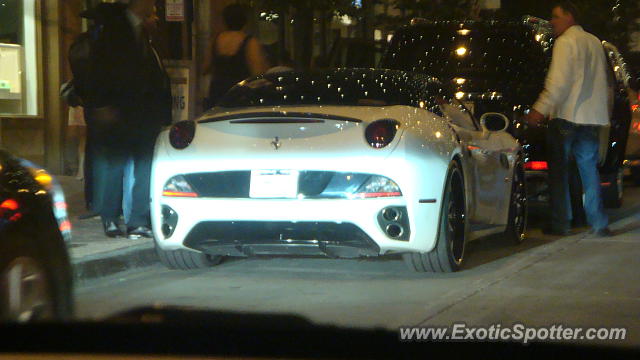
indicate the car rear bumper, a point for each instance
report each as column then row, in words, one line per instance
column 247, row 238
column 334, row 227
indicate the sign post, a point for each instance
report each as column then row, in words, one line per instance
column 174, row 10
column 180, row 81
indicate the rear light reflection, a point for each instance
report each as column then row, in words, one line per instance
column 15, row 217
column 536, row 165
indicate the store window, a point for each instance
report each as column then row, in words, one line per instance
column 18, row 58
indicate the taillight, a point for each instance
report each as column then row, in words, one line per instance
column 178, row 186
column 378, row 186
column 380, row 133
column 9, row 209
column 9, row 204
column 182, row 134
column 536, row 165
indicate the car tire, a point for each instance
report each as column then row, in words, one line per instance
column 186, row 259
column 448, row 254
column 518, row 214
column 612, row 194
column 35, row 265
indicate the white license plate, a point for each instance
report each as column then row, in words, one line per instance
column 274, row 184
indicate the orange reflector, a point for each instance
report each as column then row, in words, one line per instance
column 61, row 205
column 65, row 226
column 379, row 194
column 536, row 165
column 179, row 194
column 606, row 184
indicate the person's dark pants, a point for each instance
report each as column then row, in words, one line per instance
column 89, row 160
column 140, row 152
column 564, row 140
column 115, row 158
column 95, row 164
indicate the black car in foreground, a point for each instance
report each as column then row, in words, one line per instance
column 498, row 66
column 35, row 271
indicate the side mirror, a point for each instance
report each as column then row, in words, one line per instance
column 494, row 122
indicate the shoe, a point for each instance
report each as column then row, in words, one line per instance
column 134, row 233
column 601, row 233
column 556, row 232
column 111, row 229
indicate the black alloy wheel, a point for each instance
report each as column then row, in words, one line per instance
column 448, row 254
column 456, row 219
column 518, row 210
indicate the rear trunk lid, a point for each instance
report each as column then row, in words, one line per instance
column 292, row 132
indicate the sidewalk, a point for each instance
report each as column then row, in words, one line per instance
column 93, row 254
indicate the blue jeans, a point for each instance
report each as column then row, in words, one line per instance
column 127, row 184
column 565, row 140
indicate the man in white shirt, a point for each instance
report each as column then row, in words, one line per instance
column 576, row 98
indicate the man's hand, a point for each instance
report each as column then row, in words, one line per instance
column 534, row 118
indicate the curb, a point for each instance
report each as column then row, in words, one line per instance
column 111, row 262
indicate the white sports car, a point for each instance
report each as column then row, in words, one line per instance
column 341, row 163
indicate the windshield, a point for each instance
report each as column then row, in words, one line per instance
column 349, row 87
column 495, row 57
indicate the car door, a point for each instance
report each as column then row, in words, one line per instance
column 484, row 160
column 506, row 149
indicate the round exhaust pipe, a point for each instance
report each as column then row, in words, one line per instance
column 167, row 229
column 391, row 214
column 394, row 230
column 169, row 221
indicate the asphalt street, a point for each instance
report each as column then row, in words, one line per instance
column 547, row 280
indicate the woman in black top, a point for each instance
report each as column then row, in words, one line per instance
column 234, row 55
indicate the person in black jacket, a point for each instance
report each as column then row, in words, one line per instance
column 233, row 55
column 130, row 101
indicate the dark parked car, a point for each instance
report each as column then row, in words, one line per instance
column 633, row 144
column 501, row 66
column 35, row 272
column 359, row 53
